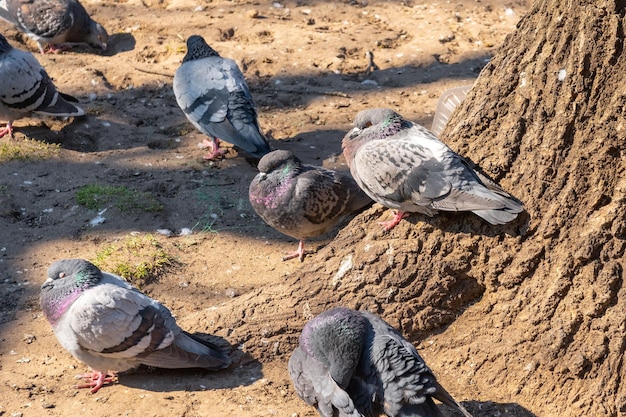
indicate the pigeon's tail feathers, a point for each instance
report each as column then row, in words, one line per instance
column 188, row 351
column 68, row 98
column 245, row 136
column 510, row 208
column 51, row 102
column 442, row 395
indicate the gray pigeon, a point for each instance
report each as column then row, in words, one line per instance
column 352, row 363
column 214, row 96
column 403, row 166
column 56, row 23
column 111, row 326
column 302, row 200
column 26, row 88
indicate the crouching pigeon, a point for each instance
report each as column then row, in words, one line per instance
column 214, row 96
column 403, row 166
column 301, row 200
column 352, row 363
column 57, row 23
column 111, row 326
column 26, row 88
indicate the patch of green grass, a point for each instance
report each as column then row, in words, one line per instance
column 27, row 150
column 139, row 259
column 125, row 200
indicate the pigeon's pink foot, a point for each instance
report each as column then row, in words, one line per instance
column 397, row 217
column 300, row 253
column 214, row 146
column 8, row 130
column 55, row 49
column 96, row 380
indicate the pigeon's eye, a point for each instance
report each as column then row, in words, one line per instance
column 62, row 274
column 368, row 124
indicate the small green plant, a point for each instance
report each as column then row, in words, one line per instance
column 27, row 150
column 140, row 259
column 125, row 200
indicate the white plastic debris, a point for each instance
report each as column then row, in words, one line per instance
column 185, row 231
column 562, row 75
column 165, row 232
column 98, row 220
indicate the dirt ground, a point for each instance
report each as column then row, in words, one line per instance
column 307, row 65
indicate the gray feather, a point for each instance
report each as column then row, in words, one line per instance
column 26, row 88
column 403, row 166
column 213, row 94
column 111, row 326
column 54, row 22
column 360, row 354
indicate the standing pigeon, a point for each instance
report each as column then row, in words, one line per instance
column 302, row 200
column 352, row 363
column 54, row 22
column 112, row 327
column 26, row 88
column 214, row 96
column 403, row 166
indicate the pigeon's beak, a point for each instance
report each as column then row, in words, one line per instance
column 354, row 133
column 262, row 176
column 47, row 283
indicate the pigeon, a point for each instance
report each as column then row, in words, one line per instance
column 352, row 363
column 56, row 23
column 302, row 200
column 214, row 96
column 26, row 88
column 111, row 326
column 403, row 166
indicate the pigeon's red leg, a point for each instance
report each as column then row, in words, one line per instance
column 55, row 49
column 214, row 145
column 390, row 224
column 300, row 253
column 8, row 130
column 96, row 380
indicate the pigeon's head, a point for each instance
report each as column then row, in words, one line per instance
column 4, row 45
column 336, row 338
column 197, row 48
column 67, row 279
column 97, row 36
column 371, row 124
column 282, row 162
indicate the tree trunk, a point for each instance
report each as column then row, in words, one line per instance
column 531, row 312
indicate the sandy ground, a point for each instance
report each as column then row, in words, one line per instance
column 308, row 69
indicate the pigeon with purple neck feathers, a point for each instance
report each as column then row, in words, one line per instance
column 403, row 166
column 214, row 96
column 352, row 363
column 111, row 326
column 301, row 200
column 26, row 88
column 57, row 23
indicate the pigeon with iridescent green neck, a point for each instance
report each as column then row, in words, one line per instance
column 302, row 200
column 352, row 363
column 111, row 326
column 403, row 166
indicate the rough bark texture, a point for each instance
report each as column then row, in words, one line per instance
column 531, row 312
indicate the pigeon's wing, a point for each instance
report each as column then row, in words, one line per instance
column 45, row 19
column 401, row 170
column 409, row 385
column 119, row 322
column 213, row 94
column 448, row 102
column 328, row 195
column 30, row 87
column 314, row 385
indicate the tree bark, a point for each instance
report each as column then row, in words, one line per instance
column 531, row 312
